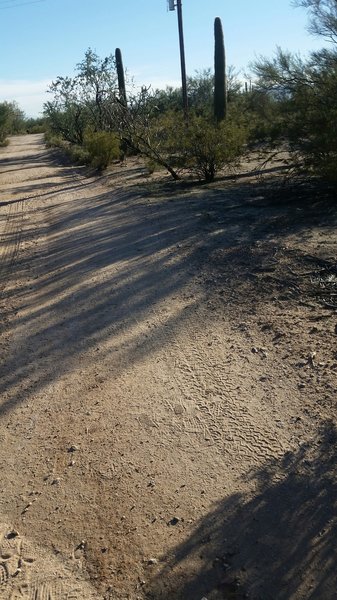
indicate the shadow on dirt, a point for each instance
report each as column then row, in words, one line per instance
column 111, row 260
column 279, row 544
column 106, row 265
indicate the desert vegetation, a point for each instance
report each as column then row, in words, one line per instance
column 169, row 358
column 304, row 94
column 14, row 121
column 98, row 116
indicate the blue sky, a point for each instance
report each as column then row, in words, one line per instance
column 41, row 39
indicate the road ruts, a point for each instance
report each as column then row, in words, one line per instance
column 10, row 237
column 210, row 405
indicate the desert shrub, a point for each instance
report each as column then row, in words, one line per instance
column 102, row 147
column 4, row 123
column 53, row 140
column 209, row 147
column 200, row 147
column 146, row 132
column 12, row 120
column 306, row 92
column 35, row 125
column 36, row 129
column 78, row 154
column 265, row 115
column 98, row 150
column 151, row 166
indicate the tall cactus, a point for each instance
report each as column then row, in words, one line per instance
column 120, row 75
column 220, row 83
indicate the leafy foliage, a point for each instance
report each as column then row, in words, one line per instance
column 200, row 90
column 208, row 148
column 103, row 147
column 144, row 131
column 12, row 120
column 323, row 17
column 37, row 125
column 84, row 101
column 4, row 121
column 90, row 111
column 306, row 92
column 292, row 101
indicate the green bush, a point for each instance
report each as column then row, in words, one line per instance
column 75, row 153
column 102, row 147
column 200, row 147
column 12, row 120
column 36, row 129
column 304, row 94
column 35, row 125
column 208, row 148
column 53, row 140
column 4, row 122
column 78, row 154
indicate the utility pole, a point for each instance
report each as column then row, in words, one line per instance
column 172, row 6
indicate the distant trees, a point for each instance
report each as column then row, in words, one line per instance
column 4, row 120
column 12, row 120
column 200, row 90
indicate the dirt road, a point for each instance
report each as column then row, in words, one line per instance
column 168, row 386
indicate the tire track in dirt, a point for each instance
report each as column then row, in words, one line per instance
column 207, row 404
column 36, row 574
column 10, row 240
column 210, row 406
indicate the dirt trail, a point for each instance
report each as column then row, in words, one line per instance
column 167, row 414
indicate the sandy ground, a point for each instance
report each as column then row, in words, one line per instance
column 168, row 386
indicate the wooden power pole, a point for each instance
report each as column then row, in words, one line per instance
column 182, row 53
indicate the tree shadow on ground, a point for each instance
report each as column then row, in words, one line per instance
column 107, row 262
column 66, row 307
column 279, row 544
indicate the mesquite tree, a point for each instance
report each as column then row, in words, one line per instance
column 85, row 101
column 220, row 84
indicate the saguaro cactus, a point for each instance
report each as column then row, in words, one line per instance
column 220, row 83
column 120, row 75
